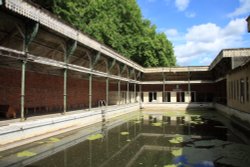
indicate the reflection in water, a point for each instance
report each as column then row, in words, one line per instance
column 143, row 140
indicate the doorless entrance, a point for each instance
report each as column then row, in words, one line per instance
column 152, row 96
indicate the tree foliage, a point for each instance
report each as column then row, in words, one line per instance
column 118, row 24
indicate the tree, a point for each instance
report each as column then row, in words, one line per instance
column 118, row 24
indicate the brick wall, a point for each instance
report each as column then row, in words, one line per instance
column 10, row 87
column 45, row 92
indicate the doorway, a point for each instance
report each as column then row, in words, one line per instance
column 193, row 97
column 152, row 96
column 167, row 97
column 180, row 96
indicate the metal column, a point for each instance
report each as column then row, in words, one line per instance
column 119, row 92
column 70, row 48
column 134, row 92
column 31, row 30
column 107, row 91
column 65, row 72
column 189, row 86
column 23, row 89
column 93, row 61
column 90, row 91
column 140, row 99
column 127, row 93
column 164, row 88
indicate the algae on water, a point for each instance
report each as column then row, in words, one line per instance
column 137, row 122
column 157, row 124
column 177, row 152
column 176, row 140
column 25, row 154
column 124, row 133
column 95, row 137
column 54, row 140
column 171, row 165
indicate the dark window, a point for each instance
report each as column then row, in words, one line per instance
column 242, row 90
column 152, row 96
column 238, row 90
column 231, row 89
column 247, row 90
column 167, row 97
column 232, row 95
column 235, row 90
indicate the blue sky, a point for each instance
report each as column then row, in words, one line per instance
column 199, row 29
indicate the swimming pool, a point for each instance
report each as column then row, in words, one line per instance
column 145, row 138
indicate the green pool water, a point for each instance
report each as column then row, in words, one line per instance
column 141, row 139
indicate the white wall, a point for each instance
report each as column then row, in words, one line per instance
column 173, row 96
column 145, row 97
column 159, row 97
column 187, row 97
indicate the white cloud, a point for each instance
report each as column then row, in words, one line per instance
column 244, row 8
column 203, row 42
column 171, row 32
column 190, row 14
column 206, row 60
column 173, row 35
column 181, row 4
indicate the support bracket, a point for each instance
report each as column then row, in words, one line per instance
column 111, row 64
column 71, row 46
column 138, row 76
column 95, row 59
column 123, row 68
column 31, row 30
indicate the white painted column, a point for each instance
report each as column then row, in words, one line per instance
column 173, row 96
column 159, row 97
column 145, row 97
column 188, row 97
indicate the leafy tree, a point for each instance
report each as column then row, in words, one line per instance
column 118, row 24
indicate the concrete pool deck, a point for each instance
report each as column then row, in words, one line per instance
column 14, row 133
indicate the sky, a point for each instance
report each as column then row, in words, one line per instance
column 199, row 29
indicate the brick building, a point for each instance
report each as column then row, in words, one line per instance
column 48, row 66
